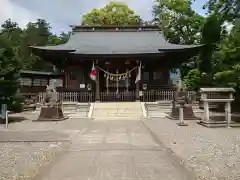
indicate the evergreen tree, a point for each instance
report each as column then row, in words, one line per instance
column 9, row 75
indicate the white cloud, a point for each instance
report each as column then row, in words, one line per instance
column 61, row 13
column 15, row 12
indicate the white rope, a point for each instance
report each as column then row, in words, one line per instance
column 121, row 74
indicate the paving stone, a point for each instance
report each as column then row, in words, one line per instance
column 116, row 150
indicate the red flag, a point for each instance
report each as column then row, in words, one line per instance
column 93, row 73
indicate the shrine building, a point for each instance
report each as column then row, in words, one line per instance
column 118, row 54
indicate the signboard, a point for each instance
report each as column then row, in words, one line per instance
column 82, row 86
column 3, row 111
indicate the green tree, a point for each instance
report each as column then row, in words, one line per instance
column 114, row 13
column 226, row 60
column 37, row 33
column 9, row 74
column 180, row 25
column 211, row 34
column 193, row 80
column 225, row 9
column 12, row 30
column 179, row 22
column 219, row 61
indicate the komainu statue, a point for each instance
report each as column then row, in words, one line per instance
column 51, row 109
column 181, row 99
column 51, row 97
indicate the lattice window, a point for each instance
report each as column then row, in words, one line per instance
column 25, row 82
column 44, row 82
column 37, row 82
column 40, row 82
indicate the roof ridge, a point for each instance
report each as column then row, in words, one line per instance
column 109, row 28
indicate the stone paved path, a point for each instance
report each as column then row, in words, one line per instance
column 116, row 150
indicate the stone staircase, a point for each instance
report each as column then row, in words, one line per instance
column 158, row 109
column 117, row 111
column 76, row 110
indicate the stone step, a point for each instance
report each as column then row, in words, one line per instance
column 157, row 115
column 116, row 115
column 78, row 115
column 116, row 118
column 117, row 109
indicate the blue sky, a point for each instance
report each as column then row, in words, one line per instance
column 62, row 13
column 197, row 6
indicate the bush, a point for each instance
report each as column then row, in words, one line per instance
column 16, row 104
column 193, row 79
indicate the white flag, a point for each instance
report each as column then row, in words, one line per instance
column 138, row 77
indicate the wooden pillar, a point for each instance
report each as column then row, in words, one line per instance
column 117, row 84
column 65, row 79
column 48, row 80
column 97, row 84
column 169, row 82
column 107, row 82
column 127, row 80
column 137, row 91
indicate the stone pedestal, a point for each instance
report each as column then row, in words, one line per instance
column 51, row 113
column 188, row 113
column 181, row 118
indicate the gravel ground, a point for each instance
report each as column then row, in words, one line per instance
column 30, row 124
column 22, row 161
column 213, row 154
column 27, row 146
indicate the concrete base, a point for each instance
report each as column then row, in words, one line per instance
column 50, row 119
column 170, row 116
column 214, row 124
column 182, row 124
column 54, row 113
column 188, row 113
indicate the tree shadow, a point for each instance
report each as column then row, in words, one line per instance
column 12, row 120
